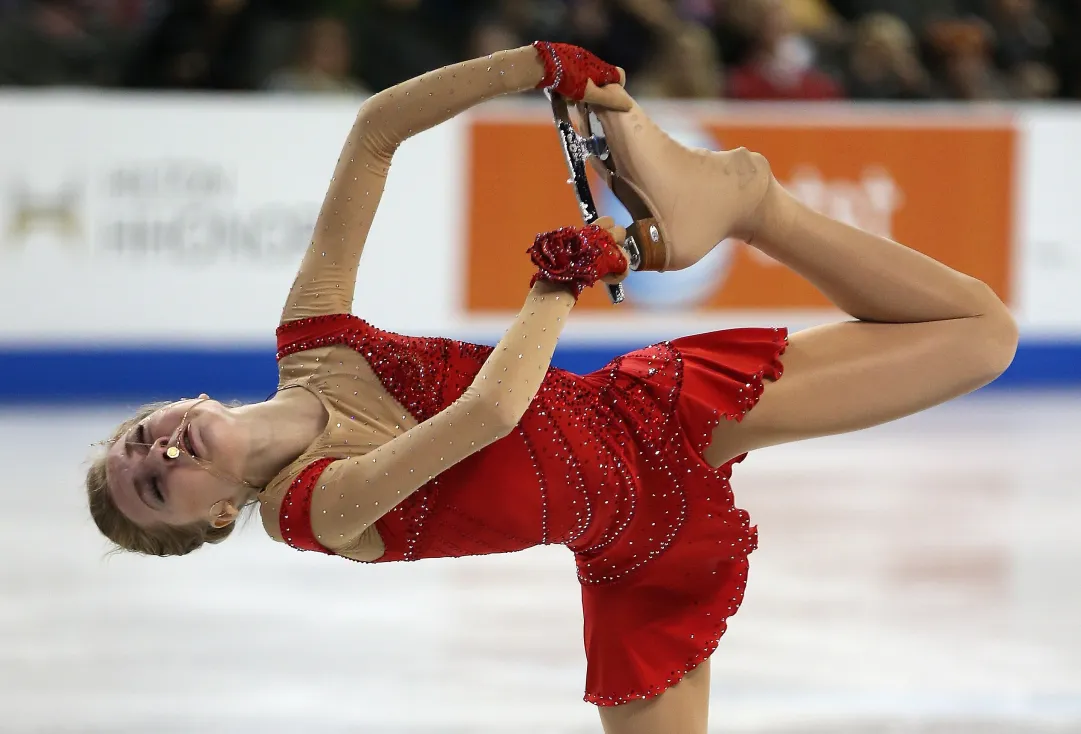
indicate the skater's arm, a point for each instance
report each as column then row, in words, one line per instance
column 924, row 334
column 353, row 493
column 327, row 275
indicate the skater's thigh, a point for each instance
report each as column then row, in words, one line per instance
column 682, row 709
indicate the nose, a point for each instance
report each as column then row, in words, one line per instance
column 156, row 452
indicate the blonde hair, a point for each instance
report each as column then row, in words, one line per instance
column 159, row 540
column 886, row 29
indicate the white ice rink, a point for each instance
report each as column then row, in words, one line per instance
column 921, row 577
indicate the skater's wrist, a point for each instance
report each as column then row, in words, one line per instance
column 523, row 69
column 546, row 291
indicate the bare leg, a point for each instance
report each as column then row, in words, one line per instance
column 925, row 333
column 682, row 709
column 869, row 277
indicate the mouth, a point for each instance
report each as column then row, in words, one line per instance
column 187, row 443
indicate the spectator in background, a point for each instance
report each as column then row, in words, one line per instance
column 916, row 14
column 666, row 56
column 732, row 24
column 607, row 29
column 683, row 61
column 831, row 34
column 1033, row 81
column 513, row 23
column 57, row 43
column 126, row 16
column 200, row 44
column 1021, row 36
column 492, row 35
column 811, row 17
column 402, row 39
column 773, row 49
column 883, row 63
column 781, row 64
column 735, row 25
column 685, row 65
column 1022, row 47
column 1064, row 23
column 322, row 63
column 964, row 48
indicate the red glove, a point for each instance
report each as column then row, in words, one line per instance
column 567, row 68
column 576, row 256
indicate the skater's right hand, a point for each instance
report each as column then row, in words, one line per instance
column 579, row 257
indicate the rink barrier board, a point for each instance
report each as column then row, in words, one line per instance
column 42, row 375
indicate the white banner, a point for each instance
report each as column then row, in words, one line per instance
column 184, row 218
column 128, row 220
column 1049, row 236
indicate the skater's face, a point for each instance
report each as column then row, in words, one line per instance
column 150, row 488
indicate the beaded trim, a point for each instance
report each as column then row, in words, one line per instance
column 675, row 676
column 294, row 517
column 553, row 66
column 559, row 67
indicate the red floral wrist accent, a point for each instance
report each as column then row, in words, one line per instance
column 568, row 68
column 577, row 257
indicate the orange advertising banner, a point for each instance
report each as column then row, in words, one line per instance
column 943, row 188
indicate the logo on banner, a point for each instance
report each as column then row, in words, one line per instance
column 56, row 213
column 188, row 211
column 946, row 191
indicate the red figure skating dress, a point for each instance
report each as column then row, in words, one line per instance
column 608, row 464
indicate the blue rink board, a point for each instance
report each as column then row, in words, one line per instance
column 61, row 375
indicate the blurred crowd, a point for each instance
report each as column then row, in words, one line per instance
column 741, row 49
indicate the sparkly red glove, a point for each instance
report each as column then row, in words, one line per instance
column 578, row 257
column 567, row 68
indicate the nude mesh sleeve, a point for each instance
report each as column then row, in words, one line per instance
column 354, row 493
column 327, row 276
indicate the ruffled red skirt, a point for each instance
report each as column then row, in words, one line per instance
column 657, row 603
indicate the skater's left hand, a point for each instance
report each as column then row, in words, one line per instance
column 610, row 97
column 580, row 76
column 619, row 234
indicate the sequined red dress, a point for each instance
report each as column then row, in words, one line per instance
column 608, row 464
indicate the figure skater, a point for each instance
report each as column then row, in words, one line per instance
column 379, row 447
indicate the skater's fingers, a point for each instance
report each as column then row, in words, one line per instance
column 610, row 96
column 620, row 235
